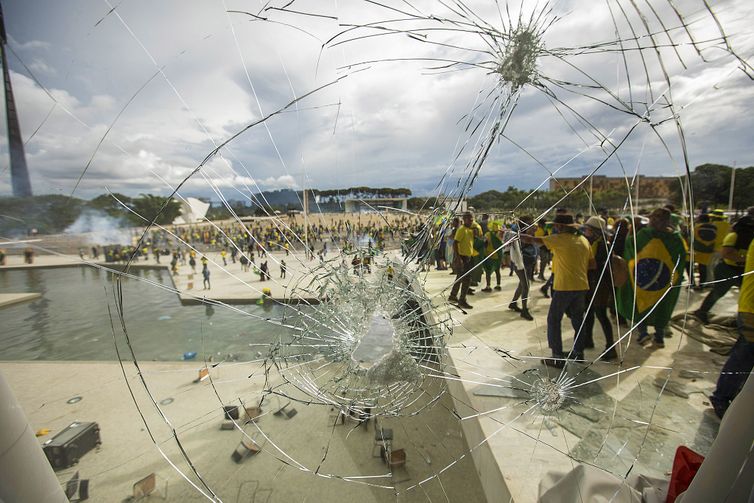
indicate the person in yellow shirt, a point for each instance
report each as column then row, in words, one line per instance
column 729, row 269
column 571, row 259
column 741, row 358
column 704, row 246
column 720, row 221
column 463, row 260
column 476, row 272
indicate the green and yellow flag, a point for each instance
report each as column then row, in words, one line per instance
column 655, row 264
column 705, row 236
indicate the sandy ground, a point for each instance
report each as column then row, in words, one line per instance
column 291, row 449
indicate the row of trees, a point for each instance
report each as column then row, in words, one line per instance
column 710, row 184
column 137, row 210
column 52, row 213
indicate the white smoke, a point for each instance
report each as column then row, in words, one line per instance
column 99, row 228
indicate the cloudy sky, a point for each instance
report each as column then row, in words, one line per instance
column 141, row 92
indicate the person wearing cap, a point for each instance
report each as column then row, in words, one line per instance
column 571, row 261
column 463, row 258
column 728, row 271
column 740, row 361
column 656, row 260
column 600, row 295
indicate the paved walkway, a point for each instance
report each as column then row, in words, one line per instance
column 635, row 413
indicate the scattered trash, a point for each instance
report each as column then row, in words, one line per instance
column 42, row 432
column 189, row 355
column 203, row 374
column 166, row 401
column 75, row 399
column 164, row 317
column 77, row 487
column 247, row 447
column 231, row 411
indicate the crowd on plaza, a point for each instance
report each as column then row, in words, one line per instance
column 250, row 243
column 625, row 273
column 630, row 268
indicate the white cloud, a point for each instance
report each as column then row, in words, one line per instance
column 281, row 182
column 395, row 124
column 40, row 67
column 28, row 45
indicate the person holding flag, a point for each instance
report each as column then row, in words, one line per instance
column 729, row 269
column 656, row 259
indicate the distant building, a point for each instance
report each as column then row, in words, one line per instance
column 359, row 199
column 649, row 187
column 367, row 205
column 455, row 205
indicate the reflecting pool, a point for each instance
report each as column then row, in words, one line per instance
column 70, row 320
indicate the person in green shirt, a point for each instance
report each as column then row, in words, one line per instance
column 493, row 254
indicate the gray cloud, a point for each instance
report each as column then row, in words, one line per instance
column 394, row 124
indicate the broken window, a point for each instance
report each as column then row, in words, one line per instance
column 356, row 336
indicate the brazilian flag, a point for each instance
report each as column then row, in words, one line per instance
column 654, row 264
column 705, row 236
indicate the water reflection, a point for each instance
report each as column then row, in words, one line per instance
column 39, row 319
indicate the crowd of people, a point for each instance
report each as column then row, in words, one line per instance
column 629, row 268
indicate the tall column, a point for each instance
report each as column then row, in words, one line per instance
column 19, row 174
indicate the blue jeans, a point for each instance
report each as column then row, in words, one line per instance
column 570, row 303
column 736, row 369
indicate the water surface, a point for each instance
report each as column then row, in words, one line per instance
column 71, row 321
